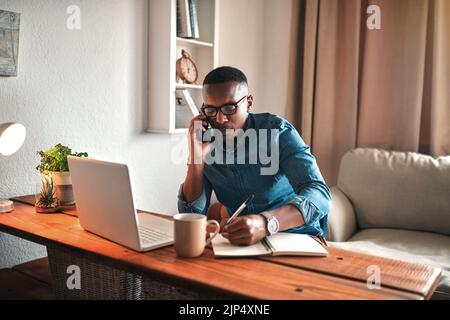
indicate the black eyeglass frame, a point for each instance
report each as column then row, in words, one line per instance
column 217, row 109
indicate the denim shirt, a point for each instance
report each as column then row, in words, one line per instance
column 298, row 180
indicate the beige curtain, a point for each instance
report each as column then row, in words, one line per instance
column 355, row 87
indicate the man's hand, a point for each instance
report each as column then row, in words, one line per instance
column 197, row 148
column 247, row 230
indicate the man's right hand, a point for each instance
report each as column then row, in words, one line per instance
column 196, row 145
column 193, row 184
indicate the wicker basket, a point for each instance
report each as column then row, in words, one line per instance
column 98, row 281
column 102, row 282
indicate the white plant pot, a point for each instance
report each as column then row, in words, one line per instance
column 64, row 191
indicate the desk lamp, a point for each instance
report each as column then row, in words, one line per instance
column 12, row 136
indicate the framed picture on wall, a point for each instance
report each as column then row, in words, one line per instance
column 9, row 43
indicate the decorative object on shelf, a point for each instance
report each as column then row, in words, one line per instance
column 54, row 164
column 46, row 200
column 184, row 27
column 9, row 42
column 186, row 68
column 187, row 20
column 185, row 108
column 194, row 20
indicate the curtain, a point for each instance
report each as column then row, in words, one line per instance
column 355, row 87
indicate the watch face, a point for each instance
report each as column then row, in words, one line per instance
column 272, row 226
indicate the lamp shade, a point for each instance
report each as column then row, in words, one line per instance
column 12, row 136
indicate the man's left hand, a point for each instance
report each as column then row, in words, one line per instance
column 246, row 230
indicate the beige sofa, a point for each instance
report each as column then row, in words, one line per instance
column 394, row 204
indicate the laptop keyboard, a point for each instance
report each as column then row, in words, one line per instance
column 149, row 235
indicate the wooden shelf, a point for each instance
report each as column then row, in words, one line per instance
column 188, row 86
column 171, row 131
column 192, row 42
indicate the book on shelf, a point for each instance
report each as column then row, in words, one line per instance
column 185, row 108
column 184, row 28
column 275, row 245
column 194, row 19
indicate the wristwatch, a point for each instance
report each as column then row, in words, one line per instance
column 272, row 223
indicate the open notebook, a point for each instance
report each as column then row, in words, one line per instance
column 276, row 245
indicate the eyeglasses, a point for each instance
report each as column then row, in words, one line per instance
column 226, row 109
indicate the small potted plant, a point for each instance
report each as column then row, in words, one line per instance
column 54, row 164
column 46, row 200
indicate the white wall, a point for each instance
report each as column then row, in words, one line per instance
column 254, row 36
column 241, row 34
column 87, row 89
column 278, row 17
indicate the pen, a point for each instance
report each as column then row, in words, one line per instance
column 239, row 210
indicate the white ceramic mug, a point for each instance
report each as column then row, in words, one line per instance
column 190, row 234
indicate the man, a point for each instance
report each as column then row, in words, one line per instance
column 293, row 199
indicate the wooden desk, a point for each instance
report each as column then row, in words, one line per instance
column 109, row 270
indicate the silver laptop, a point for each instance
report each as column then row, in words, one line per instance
column 105, row 206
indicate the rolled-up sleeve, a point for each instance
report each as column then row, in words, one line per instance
column 313, row 197
column 200, row 205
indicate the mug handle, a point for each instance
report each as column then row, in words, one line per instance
column 214, row 222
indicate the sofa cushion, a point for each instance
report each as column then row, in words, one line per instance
column 341, row 219
column 413, row 246
column 400, row 190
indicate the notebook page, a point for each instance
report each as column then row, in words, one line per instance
column 296, row 244
column 223, row 247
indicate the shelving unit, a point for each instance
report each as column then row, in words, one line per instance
column 164, row 50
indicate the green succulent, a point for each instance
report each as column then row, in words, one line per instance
column 47, row 198
column 55, row 159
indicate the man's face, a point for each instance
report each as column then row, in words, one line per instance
column 230, row 92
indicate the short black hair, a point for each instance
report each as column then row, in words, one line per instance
column 225, row 74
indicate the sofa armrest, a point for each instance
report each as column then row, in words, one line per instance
column 341, row 219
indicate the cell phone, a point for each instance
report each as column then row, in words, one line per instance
column 207, row 126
